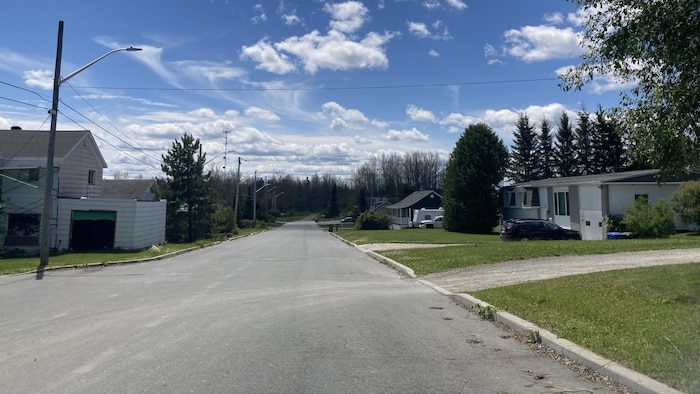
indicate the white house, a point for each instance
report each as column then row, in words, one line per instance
column 85, row 214
column 401, row 213
column 582, row 202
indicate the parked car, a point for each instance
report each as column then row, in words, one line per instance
column 347, row 219
column 432, row 223
column 530, row 229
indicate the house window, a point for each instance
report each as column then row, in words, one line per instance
column 531, row 199
column 91, row 177
column 561, row 204
column 22, row 229
column 508, row 199
column 641, row 196
column 28, row 174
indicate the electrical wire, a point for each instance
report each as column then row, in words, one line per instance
column 26, row 90
column 23, row 102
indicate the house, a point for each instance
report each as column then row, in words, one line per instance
column 402, row 212
column 582, row 202
column 88, row 212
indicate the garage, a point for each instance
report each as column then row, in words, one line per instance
column 93, row 230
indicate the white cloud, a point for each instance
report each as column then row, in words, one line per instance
column 42, row 79
column 431, row 4
column 358, row 140
column 261, row 16
column 602, row 83
column 433, row 53
column 347, row 17
column 348, row 119
column 139, row 100
column 268, row 58
column 335, row 51
column 406, row 135
column 211, row 71
column 262, row 114
column 420, row 114
column 538, row 43
column 418, row 29
column 555, row 18
column 150, row 56
column 292, row 19
column 458, row 4
column 459, row 120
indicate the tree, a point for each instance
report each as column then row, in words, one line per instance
column 362, row 205
column 606, row 142
column 187, row 189
column 545, row 153
column 686, row 202
column 652, row 45
column 333, row 209
column 474, row 170
column 565, row 154
column 584, row 149
column 523, row 163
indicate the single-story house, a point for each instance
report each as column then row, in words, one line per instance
column 88, row 212
column 402, row 212
column 582, row 202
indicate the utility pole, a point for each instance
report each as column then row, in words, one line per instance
column 238, row 189
column 48, row 184
column 226, row 147
column 255, row 193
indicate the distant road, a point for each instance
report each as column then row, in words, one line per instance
column 289, row 310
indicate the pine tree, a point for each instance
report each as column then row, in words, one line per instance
column 608, row 149
column 584, row 149
column 523, row 158
column 333, row 209
column 546, row 163
column 565, row 154
column 474, row 170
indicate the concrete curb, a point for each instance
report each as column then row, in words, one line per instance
column 135, row 261
column 382, row 259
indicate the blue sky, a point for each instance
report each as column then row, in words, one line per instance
column 297, row 74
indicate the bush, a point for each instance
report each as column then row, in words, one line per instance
column 372, row 221
column 686, row 202
column 647, row 220
column 222, row 220
column 614, row 223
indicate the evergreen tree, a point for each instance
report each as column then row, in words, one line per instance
column 474, row 170
column 565, row 154
column 546, row 162
column 187, row 188
column 333, row 204
column 584, row 149
column 523, row 163
column 362, row 204
column 608, row 149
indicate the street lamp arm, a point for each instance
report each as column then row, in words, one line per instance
column 262, row 187
column 81, row 69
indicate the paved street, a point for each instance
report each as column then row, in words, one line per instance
column 290, row 310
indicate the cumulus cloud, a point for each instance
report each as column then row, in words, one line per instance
column 268, row 58
column 538, row 43
column 431, row 4
column 421, row 30
column 420, row 115
column 602, row 83
column 406, row 135
column 347, row 17
column 458, row 4
column 433, row 53
column 261, row 114
column 292, row 19
column 418, row 29
column 348, row 118
column 42, row 79
column 555, row 18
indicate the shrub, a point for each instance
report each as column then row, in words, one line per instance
column 222, row 220
column 686, row 202
column 647, row 220
column 373, row 221
column 614, row 223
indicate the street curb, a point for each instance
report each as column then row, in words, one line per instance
column 134, row 261
column 382, row 259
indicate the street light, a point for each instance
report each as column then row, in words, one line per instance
column 255, row 195
column 274, row 200
column 48, row 185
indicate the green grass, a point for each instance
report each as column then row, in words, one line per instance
column 294, row 216
column 25, row 264
column 486, row 249
column 647, row 319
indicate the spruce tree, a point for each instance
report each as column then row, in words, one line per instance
column 474, row 170
column 546, row 163
column 608, row 149
column 584, row 149
column 523, row 163
column 565, row 154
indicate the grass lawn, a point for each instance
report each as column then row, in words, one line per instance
column 487, row 249
column 647, row 319
column 24, row 264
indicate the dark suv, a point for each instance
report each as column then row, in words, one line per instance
column 524, row 229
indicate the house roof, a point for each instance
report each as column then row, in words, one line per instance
column 636, row 176
column 132, row 189
column 32, row 145
column 412, row 199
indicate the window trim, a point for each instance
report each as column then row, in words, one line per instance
column 557, row 206
column 91, row 177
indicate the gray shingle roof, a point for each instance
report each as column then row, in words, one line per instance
column 132, row 189
column 591, row 179
column 34, row 144
column 412, row 199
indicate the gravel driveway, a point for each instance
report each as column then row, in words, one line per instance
column 521, row 271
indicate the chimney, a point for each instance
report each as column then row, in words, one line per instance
column 15, row 128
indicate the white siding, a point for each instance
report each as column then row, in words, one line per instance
column 149, row 223
column 545, row 211
column 591, row 212
column 622, row 195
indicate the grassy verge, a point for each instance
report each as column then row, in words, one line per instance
column 24, row 264
column 294, row 217
column 646, row 318
column 486, row 249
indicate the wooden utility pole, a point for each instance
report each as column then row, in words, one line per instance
column 238, row 189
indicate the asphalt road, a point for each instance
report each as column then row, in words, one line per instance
column 290, row 310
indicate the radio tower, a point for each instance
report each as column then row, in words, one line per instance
column 225, row 146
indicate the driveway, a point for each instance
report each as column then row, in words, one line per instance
column 289, row 310
column 521, row 271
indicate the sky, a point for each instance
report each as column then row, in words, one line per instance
column 301, row 87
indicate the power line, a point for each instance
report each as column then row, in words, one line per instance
column 110, row 122
column 26, row 90
column 23, row 102
column 322, row 88
column 109, row 143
